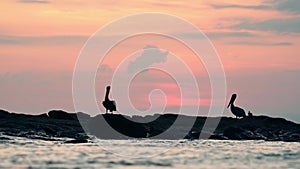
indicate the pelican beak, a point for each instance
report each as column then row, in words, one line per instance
column 229, row 104
column 231, row 100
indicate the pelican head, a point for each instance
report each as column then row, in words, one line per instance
column 233, row 97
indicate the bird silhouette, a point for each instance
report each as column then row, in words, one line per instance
column 110, row 105
column 250, row 114
column 237, row 111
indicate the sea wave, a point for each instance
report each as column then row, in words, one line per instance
column 143, row 153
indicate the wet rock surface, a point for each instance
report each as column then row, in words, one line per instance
column 58, row 123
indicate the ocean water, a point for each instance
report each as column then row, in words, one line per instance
column 16, row 152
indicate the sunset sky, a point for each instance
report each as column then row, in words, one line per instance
column 257, row 41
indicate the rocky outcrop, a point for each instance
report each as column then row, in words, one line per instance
column 44, row 126
column 58, row 123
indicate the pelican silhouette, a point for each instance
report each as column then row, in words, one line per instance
column 237, row 111
column 110, row 105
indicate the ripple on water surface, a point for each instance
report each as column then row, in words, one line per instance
column 20, row 152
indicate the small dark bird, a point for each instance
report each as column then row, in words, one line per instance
column 237, row 111
column 250, row 114
column 110, row 105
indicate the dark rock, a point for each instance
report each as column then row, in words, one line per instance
column 81, row 115
column 237, row 133
column 115, row 126
column 4, row 113
column 75, row 141
column 81, row 136
column 59, row 114
column 44, row 115
column 218, row 137
column 49, row 131
column 193, row 135
column 4, row 138
column 40, row 126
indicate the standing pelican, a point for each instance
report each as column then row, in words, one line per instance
column 237, row 111
column 110, row 105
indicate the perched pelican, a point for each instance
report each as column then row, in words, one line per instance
column 110, row 105
column 237, row 111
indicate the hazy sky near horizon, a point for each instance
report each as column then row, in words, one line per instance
column 257, row 41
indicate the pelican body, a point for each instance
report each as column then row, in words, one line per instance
column 110, row 105
column 237, row 111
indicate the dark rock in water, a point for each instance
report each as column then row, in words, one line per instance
column 40, row 126
column 81, row 115
column 44, row 115
column 193, row 135
column 75, row 141
column 217, row 137
column 59, row 114
column 115, row 126
column 236, row 133
column 4, row 138
column 79, row 138
column 82, row 136
column 49, row 131
column 261, row 128
column 4, row 113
